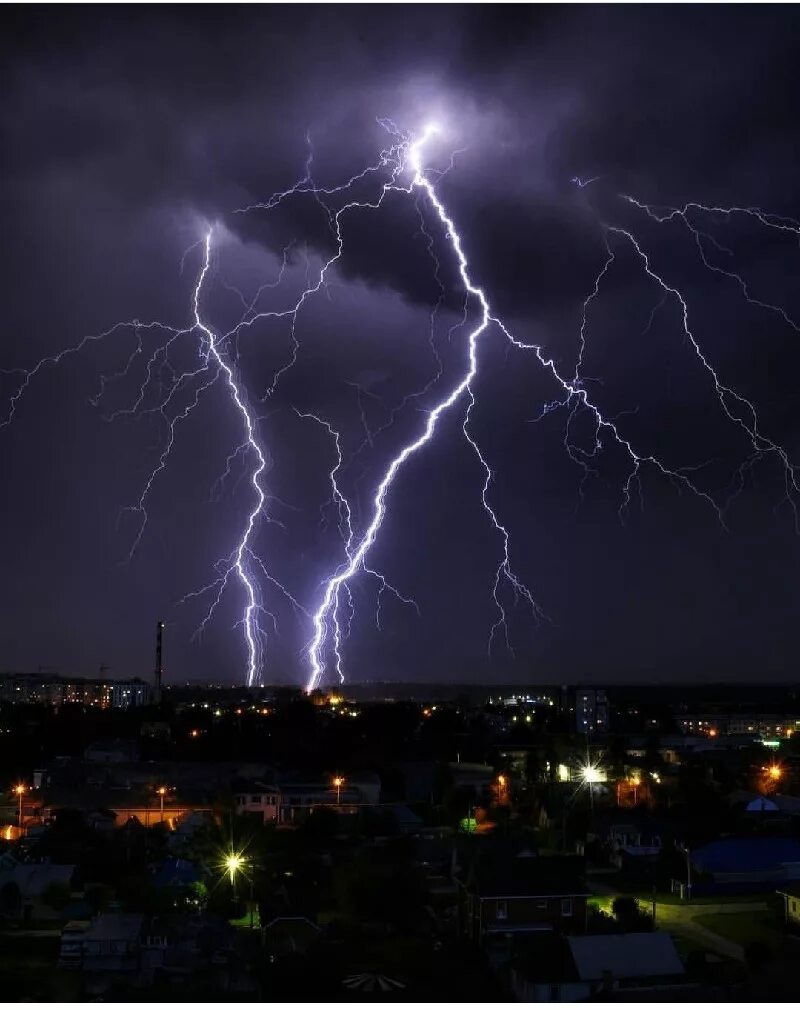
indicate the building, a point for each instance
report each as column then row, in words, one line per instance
column 25, row 888
column 791, row 905
column 112, row 942
column 554, row 969
column 591, row 711
column 504, row 895
column 741, row 865
column 52, row 689
column 753, row 724
column 291, row 801
column 613, row 961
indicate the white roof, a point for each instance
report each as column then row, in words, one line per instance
column 625, row 955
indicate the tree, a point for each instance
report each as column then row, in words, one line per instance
column 630, row 917
column 598, row 921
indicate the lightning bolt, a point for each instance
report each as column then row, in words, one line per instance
column 359, row 551
column 400, row 170
column 683, row 215
column 252, row 632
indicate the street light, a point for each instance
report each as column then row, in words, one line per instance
column 635, row 781
column 233, row 863
column 685, row 850
column 338, row 782
column 20, row 791
column 162, row 790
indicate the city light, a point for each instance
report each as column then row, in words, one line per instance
column 591, row 773
column 20, row 791
column 775, row 772
column 233, row 864
column 338, row 782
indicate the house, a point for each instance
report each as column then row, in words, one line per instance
column 474, row 779
column 791, row 905
column 634, row 840
column 739, row 865
column 112, row 942
column 612, row 961
column 561, row 969
column 291, row 801
column 24, row 888
column 176, row 873
column 506, row 893
column 543, row 971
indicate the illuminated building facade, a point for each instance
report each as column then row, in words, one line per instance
column 51, row 689
column 591, row 711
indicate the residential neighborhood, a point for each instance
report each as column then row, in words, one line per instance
column 274, row 845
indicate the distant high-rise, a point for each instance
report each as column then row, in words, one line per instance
column 159, row 664
column 591, row 711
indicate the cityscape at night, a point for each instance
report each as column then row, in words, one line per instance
column 401, row 526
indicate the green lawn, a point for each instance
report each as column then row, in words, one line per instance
column 244, row 920
column 743, row 927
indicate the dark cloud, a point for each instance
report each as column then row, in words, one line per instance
column 126, row 131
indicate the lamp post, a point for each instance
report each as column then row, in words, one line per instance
column 20, row 791
column 233, row 863
column 590, row 774
column 685, row 850
column 161, row 793
column 635, row 781
column 338, row 782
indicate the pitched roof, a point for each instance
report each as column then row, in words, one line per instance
column 33, row 879
column 625, row 955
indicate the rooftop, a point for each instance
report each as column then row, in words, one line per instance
column 625, row 955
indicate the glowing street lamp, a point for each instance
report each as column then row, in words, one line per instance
column 774, row 773
column 233, row 863
column 635, row 781
column 162, row 791
column 338, row 782
column 591, row 773
column 20, row 791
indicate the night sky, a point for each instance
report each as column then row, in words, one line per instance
column 126, row 134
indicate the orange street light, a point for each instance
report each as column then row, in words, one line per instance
column 20, row 791
column 162, row 792
column 338, row 782
column 775, row 772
